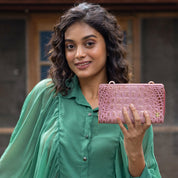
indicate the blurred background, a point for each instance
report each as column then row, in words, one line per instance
column 151, row 36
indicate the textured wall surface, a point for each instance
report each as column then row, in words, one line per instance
column 160, row 63
column 12, row 73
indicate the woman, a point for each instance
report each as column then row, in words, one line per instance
column 58, row 134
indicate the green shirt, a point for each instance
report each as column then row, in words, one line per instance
column 59, row 137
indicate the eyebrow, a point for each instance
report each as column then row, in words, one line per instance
column 84, row 38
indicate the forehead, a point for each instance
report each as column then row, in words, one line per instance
column 80, row 30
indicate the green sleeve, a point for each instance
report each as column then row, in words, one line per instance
column 20, row 156
column 151, row 169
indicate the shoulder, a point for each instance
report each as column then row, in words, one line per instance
column 43, row 89
column 44, row 84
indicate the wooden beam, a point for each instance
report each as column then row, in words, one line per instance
column 7, row 130
column 111, row 7
column 115, row 5
column 156, row 129
column 92, row 1
column 165, row 129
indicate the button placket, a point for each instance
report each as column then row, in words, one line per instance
column 88, row 121
column 87, row 134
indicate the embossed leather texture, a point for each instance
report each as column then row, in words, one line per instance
column 145, row 97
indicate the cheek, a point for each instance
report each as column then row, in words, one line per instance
column 69, row 57
column 100, row 49
column 100, row 54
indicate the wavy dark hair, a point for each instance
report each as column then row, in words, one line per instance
column 106, row 24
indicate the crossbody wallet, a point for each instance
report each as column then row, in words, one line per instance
column 145, row 97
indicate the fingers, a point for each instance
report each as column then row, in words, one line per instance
column 124, row 130
column 137, row 121
column 147, row 123
column 127, row 119
column 136, row 116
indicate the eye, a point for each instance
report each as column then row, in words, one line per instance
column 89, row 44
column 69, row 46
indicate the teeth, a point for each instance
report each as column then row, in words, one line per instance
column 82, row 64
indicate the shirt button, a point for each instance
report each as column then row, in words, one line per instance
column 84, row 158
column 89, row 114
column 86, row 136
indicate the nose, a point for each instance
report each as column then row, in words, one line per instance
column 80, row 53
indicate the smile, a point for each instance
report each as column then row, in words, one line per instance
column 82, row 64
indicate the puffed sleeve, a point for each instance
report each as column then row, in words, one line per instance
column 151, row 169
column 20, row 157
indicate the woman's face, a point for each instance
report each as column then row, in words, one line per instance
column 85, row 51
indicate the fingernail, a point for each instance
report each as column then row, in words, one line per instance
column 131, row 105
column 146, row 112
column 124, row 108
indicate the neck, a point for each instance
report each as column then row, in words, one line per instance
column 90, row 88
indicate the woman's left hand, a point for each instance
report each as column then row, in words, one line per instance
column 133, row 137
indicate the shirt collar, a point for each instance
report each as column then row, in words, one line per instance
column 75, row 92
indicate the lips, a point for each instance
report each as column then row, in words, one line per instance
column 83, row 65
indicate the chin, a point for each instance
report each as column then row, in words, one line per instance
column 83, row 74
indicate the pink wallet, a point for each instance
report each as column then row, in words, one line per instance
column 145, row 97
